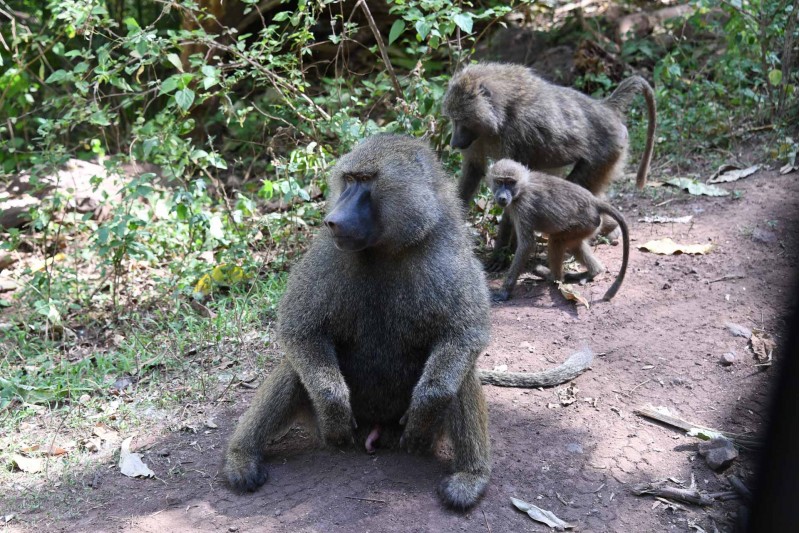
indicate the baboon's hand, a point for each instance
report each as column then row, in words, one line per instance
column 337, row 423
column 420, row 422
column 501, row 295
column 244, row 471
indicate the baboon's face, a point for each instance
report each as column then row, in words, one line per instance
column 383, row 194
column 504, row 189
column 353, row 221
column 463, row 136
column 468, row 105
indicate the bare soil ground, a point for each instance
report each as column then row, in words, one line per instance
column 659, row 342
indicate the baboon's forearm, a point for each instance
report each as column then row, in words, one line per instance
column 315, row 361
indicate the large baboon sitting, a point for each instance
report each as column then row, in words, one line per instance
column 382, row 322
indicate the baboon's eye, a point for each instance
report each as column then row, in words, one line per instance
column 349, row 178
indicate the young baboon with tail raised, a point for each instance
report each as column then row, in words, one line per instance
column 566, row 213
column 382, row 322
column 506, row 111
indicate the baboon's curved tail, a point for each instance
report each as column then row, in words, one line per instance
column 626, row 244
column 621, row 100
column 566, row 371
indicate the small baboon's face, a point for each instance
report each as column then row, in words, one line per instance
column 504, row 190
column 504, row 177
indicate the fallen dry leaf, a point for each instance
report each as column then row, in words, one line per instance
column 568, row 395
column 105, row 433
column 40, row 265
column 54, row 450
column 696, row 188
column 669, row 247
column 667, row 220
column 130, row 464
column 540, row 515
column 30, row 465
column 571, row 294
column 762, row 345
column 728, row 173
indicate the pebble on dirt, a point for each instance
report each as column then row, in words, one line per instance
column 727, row 359
column 719, row 453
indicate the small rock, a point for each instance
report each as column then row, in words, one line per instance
column 727, row 359
column 667, row 286
column 233, row 528
column 738, row 331
column 574, row 447
column 719, row 453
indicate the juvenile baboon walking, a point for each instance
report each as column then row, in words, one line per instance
column 382, row 322
column 567, row 213
column 506, row 111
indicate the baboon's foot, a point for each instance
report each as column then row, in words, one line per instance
column 497, row 263
column 245, row 472
column 462, row 490
column 501, row 295
column 578, row 277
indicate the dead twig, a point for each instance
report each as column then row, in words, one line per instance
column 485, row 521
column 746, row 441
column 365, row 499
column 658, row 488
column 727, row 277
column 740, row 488
column 377, row 34
column 637, row 386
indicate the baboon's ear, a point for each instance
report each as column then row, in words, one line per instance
column 483, row 90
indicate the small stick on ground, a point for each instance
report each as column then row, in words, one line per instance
column 746, row 441
column 657, row 488
column 636, row 387
column 485, row 521
column 724, row 496
column 562, row 500
column 365, row 499
column 727, row 277
column 740, row 488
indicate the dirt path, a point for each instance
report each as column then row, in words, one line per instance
column 661, row 341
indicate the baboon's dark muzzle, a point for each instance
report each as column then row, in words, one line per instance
column 462, row 138
column 352, row 222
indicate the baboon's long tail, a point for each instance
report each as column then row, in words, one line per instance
column 566, row 371
column 616, row 215
column 621, row 100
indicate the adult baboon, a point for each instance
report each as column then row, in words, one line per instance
column 506, row 111
column 566, row 213
column 382, row 322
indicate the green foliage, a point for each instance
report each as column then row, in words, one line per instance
column 127, row 84
column 709, row 90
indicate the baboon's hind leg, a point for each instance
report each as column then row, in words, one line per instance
column 279, row 401
column 596, row 178
column 469, row 432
